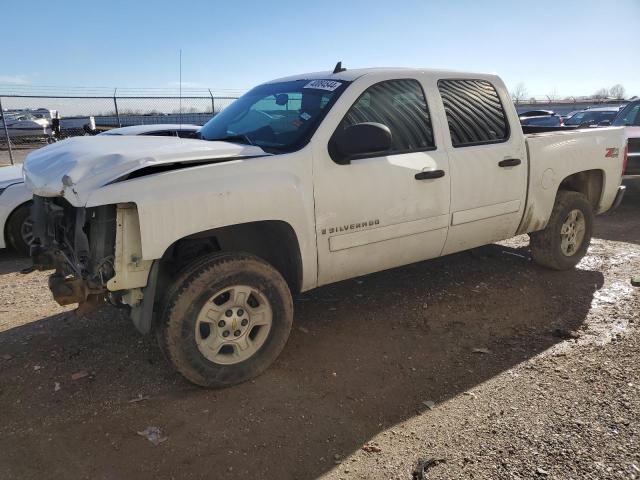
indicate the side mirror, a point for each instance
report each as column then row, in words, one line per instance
column 359, row 139
column 604, row 123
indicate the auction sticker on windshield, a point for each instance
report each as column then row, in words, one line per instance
column 329, row 85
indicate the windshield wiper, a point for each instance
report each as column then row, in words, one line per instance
column 239, row 138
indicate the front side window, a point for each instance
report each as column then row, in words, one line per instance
column 278, row 117
column 401, row 106
column 474, row 112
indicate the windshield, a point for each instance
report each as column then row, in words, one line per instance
column 629, row 116
column 590, row 116
column 278, row 117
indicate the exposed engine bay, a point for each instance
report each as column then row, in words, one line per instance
column 79, row 243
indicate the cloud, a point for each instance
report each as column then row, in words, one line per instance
column 15, row 79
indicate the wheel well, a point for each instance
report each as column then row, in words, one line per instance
column 589, row 183
column 274, row 241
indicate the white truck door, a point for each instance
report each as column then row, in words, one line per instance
column 488, row 163
column 381, row 210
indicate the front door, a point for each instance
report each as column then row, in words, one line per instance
column 383, row 210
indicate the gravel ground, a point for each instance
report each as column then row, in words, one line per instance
column 497, row 367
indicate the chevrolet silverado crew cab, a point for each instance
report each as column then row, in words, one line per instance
column 301, row 182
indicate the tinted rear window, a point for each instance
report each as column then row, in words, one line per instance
column 474, row 112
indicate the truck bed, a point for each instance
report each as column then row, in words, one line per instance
column 555, row 155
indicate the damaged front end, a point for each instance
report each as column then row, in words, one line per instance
column 79, row 243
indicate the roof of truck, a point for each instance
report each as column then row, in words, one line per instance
column 350, row 75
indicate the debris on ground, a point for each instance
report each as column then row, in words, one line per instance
column 371, row 448
column 429, row 404
column 79, row 375
column 542, row 471
column 139, row 398
column 154, row 435
column 424, row 465
column 56, row 386
column 481, row 350
column 303, row 329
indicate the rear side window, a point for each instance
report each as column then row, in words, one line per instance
column 474, row 112
column 401, row 106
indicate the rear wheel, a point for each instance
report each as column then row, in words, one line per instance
column 565, row 240
column 226, row 319
column 20, row 229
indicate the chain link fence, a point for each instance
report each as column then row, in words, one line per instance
column 30, row 121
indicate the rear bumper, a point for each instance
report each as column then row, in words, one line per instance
column 618, row 200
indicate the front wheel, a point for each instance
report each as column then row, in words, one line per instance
column 565, row 240
column 226, row 319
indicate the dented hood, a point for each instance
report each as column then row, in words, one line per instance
column 86, row 163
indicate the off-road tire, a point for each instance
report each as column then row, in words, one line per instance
column 187, row 295
column 546, row 244
column 13, row 229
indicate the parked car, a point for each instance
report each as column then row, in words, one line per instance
column 541, row 118
column 24, row 124
column 302, row 182
column 159, row 130
column 599, row 116
column 629, row 117
column 15, row 198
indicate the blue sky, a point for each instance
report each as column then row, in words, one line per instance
column 561, row 47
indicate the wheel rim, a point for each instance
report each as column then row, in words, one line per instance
column 572, row 232
column 233, row 324
column 26, row 231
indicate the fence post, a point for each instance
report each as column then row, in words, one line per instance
column 213, row 103
column 6, row 132
column 115, row 103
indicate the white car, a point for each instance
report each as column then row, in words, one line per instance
column 15, row 198
column 15, row 205
column 302, row 182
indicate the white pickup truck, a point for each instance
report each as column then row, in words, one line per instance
column 301, row 182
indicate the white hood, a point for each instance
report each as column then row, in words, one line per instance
column 87, row 163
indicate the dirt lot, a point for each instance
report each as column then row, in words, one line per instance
column 482, row 359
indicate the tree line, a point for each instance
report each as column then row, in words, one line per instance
column 617, row 91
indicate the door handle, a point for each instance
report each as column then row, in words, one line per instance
column 429, row 174
column 510, row 162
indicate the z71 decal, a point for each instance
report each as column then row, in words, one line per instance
column 612, row 153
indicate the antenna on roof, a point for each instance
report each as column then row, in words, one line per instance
column 339, row 68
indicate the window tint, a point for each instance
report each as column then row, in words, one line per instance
column 188, row 133
column 161, row 133
column 474, row 112
column 401, row 106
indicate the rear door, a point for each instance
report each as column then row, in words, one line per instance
column 386, row 209
column 488, row 163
